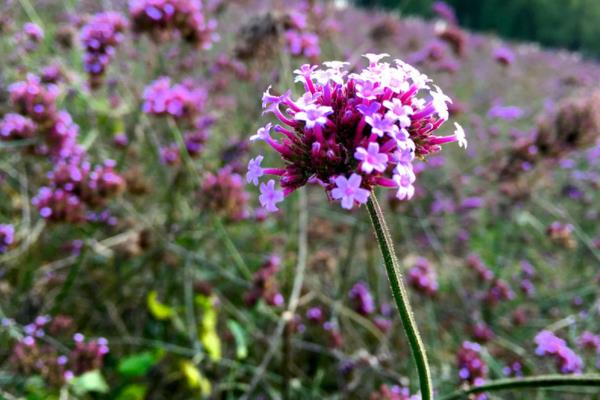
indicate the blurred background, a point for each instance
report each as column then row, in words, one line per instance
column 572, row 24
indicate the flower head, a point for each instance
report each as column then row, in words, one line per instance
column 352, row 132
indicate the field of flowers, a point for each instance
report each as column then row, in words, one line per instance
column 187, row 204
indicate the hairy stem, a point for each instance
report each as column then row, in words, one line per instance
column 401, row 296
column 543, row 381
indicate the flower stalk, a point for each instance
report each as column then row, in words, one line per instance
column 401, row 296
column 543, row 381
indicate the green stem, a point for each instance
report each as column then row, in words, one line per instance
column 531, row 382
column 401, row 296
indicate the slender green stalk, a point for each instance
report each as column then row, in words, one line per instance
column 401, row 296
column 543, row 381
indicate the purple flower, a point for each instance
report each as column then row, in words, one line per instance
column 164, row 18
column 263, row 133
column 255, row 171
column 7, row 237
column 270, row 196
column 341, row 114
column 349, row 191
column 381, row 124
column 362, row 301
column 507, row 113
column 33, row 32
column 314, row 115
column 566, row 360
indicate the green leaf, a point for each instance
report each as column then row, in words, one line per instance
column 241, row 350
column 133, row 392
column 137, row 364
column 91, row 381
column 157, row 309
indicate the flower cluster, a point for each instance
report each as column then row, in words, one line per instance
column 100, row 36
column 476, row 264
column 7, row 237
column 394, row 392
column 548, row 344
column 498, row 291
column 36, row 102
column 351, row 133
column 264, row 284
column 361, row 299
column 75, row 185
column 423, row 277
column 224, row 194
column 300, row 41
column 471, row 367
column 180, row 101
column 163, row 18
column 33, row 355
column 15, row 127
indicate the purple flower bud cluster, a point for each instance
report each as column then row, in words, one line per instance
column 504, row 56
column 33, row 355
column 16, row 127
column 526, row 279
column 352, row 132
column 361, row 299
column 180, row 101
column 163, row 18
column 224, row 194
column 548, row 344
column 394, row 392
column 471, row 367
column 444, row 11
column 99, row 37
column 264, row 284
column 498, row 292
column 482, row 332
column 34, row 99
column 37, row 102
column 475, row 263
column 423, row 277
column 33, row 32
column 514, row 368
column 300, row 41
column 74, row 186
column 7, row 237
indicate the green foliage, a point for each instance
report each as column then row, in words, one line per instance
column 572, row 24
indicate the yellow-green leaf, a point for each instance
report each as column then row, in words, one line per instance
column 208, row 327
column 194, row 378
column 157, row 309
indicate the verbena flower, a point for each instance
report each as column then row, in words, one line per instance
column 352, row 132
column 548, row 344
column 472, row 369
column 15, row 127
column 7, row 237
column 423, row 277
column 224, row 194
column 99, row 37
column 178, row 100
column 361, row 299
column 163, row 18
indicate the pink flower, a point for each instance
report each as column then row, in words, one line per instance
column 270, row 196
column 349, row 191
column 371, row 158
